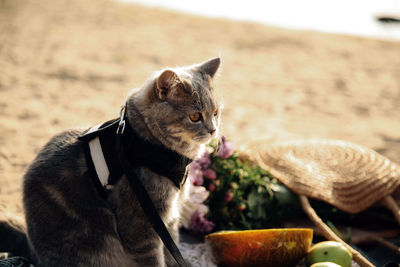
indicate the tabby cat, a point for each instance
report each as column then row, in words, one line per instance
column 70, row 225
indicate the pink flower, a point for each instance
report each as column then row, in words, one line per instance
column 210, row 173
column 197, row 167
column 204, row 161
column 225, row 149
column 211, row 187
column 228, row 196
column 198, row 223
column 195, row 174
column 193, row 200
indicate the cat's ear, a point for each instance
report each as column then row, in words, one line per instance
column 169, row 86
column 210, row 67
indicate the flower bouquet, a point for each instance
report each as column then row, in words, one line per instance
column 231, row 193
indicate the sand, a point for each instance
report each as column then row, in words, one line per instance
column 69, row 63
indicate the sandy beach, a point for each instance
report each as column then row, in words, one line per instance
column 70, row 63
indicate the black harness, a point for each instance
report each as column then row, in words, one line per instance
column 121, row 151
column 138, row 152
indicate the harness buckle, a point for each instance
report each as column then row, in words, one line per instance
column 121, row 124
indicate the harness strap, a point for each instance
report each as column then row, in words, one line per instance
column 146, row 203
column 99, row 162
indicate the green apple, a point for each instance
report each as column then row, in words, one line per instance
column 329, row 251
column 325, row 264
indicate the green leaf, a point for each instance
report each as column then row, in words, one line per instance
column 253, row 199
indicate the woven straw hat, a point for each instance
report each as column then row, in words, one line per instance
column 346, row 175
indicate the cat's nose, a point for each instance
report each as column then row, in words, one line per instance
column 212, row 132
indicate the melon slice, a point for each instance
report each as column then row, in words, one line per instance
column 269, row 247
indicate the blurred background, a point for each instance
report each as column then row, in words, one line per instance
column 290, row 69
column 355, row 17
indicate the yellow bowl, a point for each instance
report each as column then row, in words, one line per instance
column 267, row 247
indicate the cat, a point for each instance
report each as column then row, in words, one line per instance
column 68, row 224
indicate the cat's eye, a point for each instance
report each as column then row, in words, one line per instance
column 195, row 117
column 216, row 112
